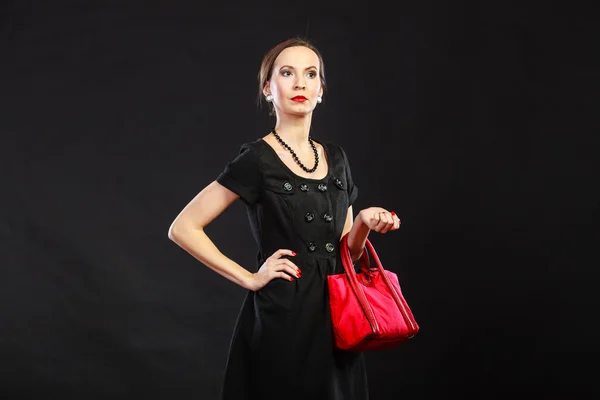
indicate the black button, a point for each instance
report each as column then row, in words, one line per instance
column 312, row 247
column 304, row 187
column 329, row 247
column 309, row 217
column 287, row 186
column 328, row 217
column 339, row 182
column 322, row 187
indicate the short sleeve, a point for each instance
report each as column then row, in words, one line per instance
column 243, row 175
column 352, row 188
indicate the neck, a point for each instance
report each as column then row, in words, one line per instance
column 294, row 130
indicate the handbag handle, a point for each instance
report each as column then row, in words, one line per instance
column 357, row 287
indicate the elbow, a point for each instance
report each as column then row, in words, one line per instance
column 172, row 233
column 177, row 230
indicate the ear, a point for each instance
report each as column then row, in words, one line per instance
column 267, row 88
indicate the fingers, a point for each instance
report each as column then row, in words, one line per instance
column 380, row 221
column 285, row 271
column 283, row 252
column 289, row 267
column 282, row 267
column 284, row 261
column 386, row 221
column 283, row 275
column 290, row 264
column 393, row 222
column 397, row 221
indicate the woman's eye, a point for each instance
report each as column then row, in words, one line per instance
column 286, row 73
column 312, row 74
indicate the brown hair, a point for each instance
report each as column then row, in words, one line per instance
column 266, row 67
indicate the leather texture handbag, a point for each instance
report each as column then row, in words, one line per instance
column 368, row 310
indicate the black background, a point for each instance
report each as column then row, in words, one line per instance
column 474, row 121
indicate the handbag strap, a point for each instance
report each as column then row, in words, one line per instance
column 357, row 287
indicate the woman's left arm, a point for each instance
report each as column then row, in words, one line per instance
column 373, row 218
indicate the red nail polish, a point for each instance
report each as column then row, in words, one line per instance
column 293, row 253
column 393, row 213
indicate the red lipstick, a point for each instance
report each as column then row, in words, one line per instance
column 300, row 99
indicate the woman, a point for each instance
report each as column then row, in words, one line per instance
column 282, row 346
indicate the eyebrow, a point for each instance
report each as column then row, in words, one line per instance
column 289, row 66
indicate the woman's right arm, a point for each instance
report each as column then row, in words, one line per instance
column 187, row 231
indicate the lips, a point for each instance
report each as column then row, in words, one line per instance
column 299, row 99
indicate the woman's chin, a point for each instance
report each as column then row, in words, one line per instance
column 299, row 111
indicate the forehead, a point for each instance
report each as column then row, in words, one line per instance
column 297, row 56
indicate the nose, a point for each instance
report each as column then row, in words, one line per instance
column 300, row 84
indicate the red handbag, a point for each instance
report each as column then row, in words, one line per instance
column 368, row 310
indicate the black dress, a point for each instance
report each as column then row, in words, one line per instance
column 282, row 346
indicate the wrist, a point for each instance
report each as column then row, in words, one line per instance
column 360, row 219
column 248, row 281
column 360, row 229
